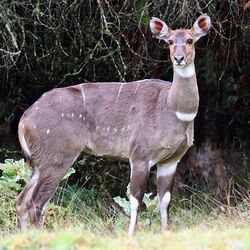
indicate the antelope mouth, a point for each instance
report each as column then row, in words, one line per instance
column 179, row 64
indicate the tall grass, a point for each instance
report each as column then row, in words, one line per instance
column 81, row 218
column 74, row 206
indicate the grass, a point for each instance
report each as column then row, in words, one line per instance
column 198, row 237
column 78, row 218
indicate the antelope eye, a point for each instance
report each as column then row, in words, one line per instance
column 170, row 42
column 189, row 41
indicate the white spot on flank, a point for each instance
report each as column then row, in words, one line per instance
column 97, row 127
column 37, row 108
column 62, row 114
column 185, row 71
column 48, row 131
column 84, row 118
column 185, row 117
column 72, row 114
column 166, row 169
column 123, row 129
column 80, row 116
column 108, row 128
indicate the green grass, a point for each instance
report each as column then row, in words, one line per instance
column 76, row 238
column 78, row 218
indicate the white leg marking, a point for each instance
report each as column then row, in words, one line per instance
column 163, row 207
column 48, row 131
column 185, row 71
column 23, row 220
column 166, row 169
column 133, row 218
column 24, row 216
column 186, row 117
column 32, row 184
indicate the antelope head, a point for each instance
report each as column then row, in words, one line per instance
column 181, row 41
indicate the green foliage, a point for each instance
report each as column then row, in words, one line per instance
column 123, row 203
column 70, row 171
column 152, row 207
column 14, row 173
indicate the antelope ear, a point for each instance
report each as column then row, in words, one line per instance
column 201, row 26
column 159, row 28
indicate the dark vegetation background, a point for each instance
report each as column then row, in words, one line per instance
column 48, row 44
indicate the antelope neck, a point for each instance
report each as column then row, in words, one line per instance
column 184, row 96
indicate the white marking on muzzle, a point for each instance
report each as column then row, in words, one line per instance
column 185, row 117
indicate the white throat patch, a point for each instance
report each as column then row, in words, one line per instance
column 185, row 117
column 185, row 71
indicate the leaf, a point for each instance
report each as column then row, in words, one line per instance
column 69, row 173
column 15, row 170
column 151, row 204
column 123, row 203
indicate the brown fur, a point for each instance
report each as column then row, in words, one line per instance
column 135, row 121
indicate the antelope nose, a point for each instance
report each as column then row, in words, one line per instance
column 179, row 59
